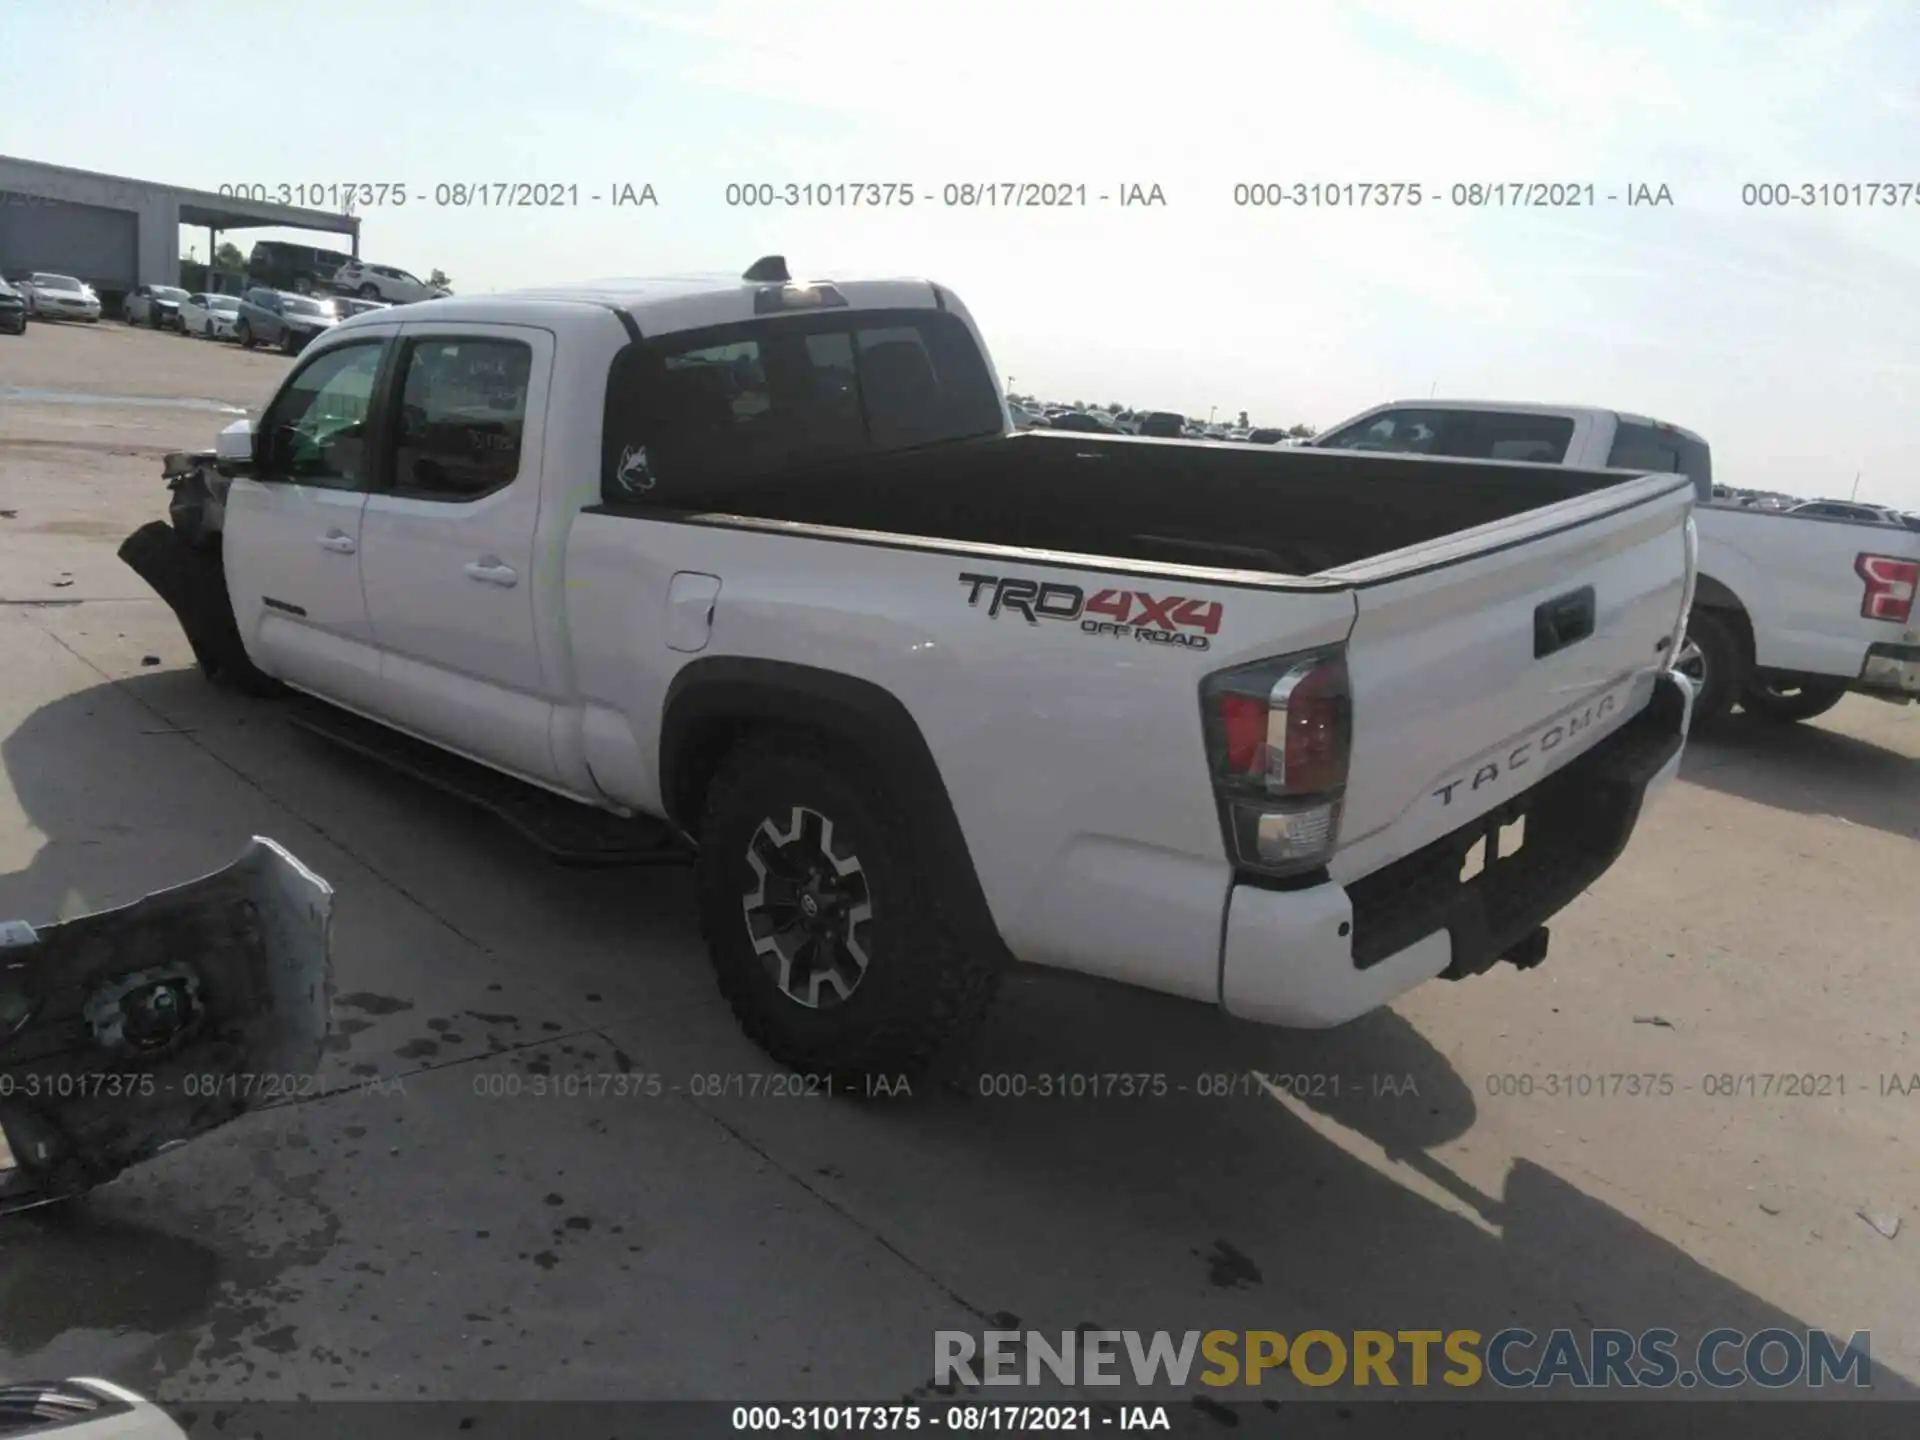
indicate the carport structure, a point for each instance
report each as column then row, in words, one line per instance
column 115, row 233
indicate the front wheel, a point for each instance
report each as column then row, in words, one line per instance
column 831, row 932
column 1713, row 657
column 244, row 333
column 1784, row 701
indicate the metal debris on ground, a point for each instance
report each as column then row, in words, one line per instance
column 120, row 1029
column 1887, row 1223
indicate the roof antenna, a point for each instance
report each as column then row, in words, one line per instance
column 768, row 268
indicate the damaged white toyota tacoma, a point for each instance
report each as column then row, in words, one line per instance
column 755, row 575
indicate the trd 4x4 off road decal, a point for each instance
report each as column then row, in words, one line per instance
column 1128, row 614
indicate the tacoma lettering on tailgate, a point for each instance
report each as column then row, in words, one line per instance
column 1124, row 614
column 1541, row 743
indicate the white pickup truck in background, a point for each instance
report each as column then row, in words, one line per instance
column 1792, row 611
column 757, row 571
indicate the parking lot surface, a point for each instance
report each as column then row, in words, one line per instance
column 431, row 1227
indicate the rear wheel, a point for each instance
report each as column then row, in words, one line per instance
column 1713, row 657
column 369, row 291
column 244, row 333
column 1786, row 701
column 831, row 932
column 302, row 285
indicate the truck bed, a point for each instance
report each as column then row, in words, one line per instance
column 1290, row 511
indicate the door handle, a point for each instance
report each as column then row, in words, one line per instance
column 489, row 570
column 336, row 541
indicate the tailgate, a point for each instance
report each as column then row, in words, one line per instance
column 1484, row 662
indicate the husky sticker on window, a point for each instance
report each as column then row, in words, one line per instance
column 634, row 475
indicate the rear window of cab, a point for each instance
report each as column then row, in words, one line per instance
column 759, row 398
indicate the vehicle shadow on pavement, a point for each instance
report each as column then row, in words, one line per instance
column 1811, row 770
column 1327, row 1211
column 1205, row 1201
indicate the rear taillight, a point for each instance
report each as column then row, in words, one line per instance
column 1890, row 586
column 1279, row 733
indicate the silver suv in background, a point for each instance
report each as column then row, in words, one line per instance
column 385, row 282
column 273, row 317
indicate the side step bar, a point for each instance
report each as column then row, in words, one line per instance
column 571, row 834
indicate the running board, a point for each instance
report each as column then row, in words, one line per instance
column 570, row 833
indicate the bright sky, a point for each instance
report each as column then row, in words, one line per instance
column 1789, row 337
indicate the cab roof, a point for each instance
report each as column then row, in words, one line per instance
column 665, row 304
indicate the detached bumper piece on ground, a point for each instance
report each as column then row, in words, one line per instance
column 128, row 1032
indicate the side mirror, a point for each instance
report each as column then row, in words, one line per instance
column 234, row 449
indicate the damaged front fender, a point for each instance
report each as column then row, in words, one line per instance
column 128, row 1032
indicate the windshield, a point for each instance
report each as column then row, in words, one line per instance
column 56, row 282
column 296, row 305
column 223, row 302
column 168, row 292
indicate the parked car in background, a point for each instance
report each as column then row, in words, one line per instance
column 303, row 269
column 154, row 305
column 273, row 317
column 1847, row 510
column 1162, row 424
column 13, row 309
column 209, row 315
column 59, row 297
column 1081, row 423
column 385, row 282
column 1023, row 418
column 1265, row 437
column 350, row 305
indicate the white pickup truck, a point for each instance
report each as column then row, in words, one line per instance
column 1792, row 611
column 757, row 567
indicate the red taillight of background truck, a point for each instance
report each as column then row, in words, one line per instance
column 1890, row 587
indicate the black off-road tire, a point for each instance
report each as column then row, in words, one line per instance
column 1786, row 703
column 1715, row 657
column 924, row 986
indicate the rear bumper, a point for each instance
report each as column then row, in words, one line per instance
column 1891, row 672
column 1324, row 955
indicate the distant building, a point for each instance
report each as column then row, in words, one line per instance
column 115, row 233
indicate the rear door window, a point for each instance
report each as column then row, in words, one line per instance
column 1511, row 435
column 1398, row 432
column 753, row 400
column 1662, row 451
column 463, row 404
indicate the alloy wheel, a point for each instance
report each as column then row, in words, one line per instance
column 809, row 910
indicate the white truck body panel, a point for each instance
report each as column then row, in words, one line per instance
column 1795, row 577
